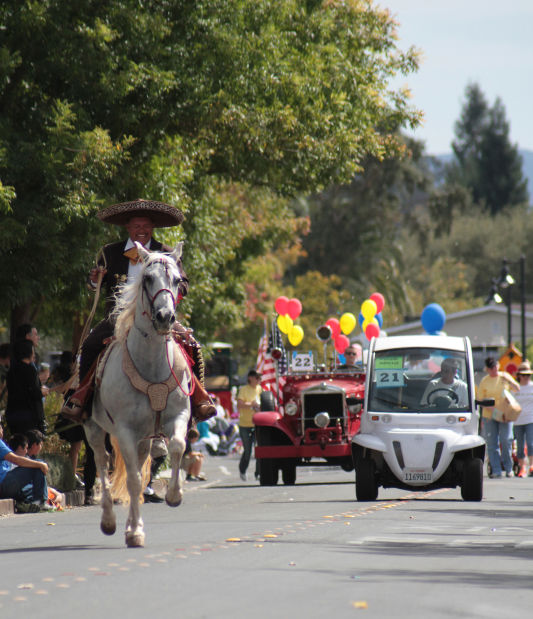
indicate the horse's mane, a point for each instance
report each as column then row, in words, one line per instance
column 126, row 300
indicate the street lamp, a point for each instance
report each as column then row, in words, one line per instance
column 505, row 283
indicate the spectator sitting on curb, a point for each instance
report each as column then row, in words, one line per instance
column 19, row 444
column 56, row 499
column 193, row 461
column 25, row 482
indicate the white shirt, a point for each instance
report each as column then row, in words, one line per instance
column 525, row 398
column 458, row 386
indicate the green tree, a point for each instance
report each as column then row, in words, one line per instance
column 485, row 160
column 227, row 109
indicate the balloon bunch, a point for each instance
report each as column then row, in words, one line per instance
column 370, row 318
column 288, row 311
column 346, row 324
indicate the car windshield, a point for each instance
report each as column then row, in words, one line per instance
column 419, row 380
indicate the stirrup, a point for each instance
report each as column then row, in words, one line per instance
column 74, row 413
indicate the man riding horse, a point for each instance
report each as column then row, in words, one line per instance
column 118, row 262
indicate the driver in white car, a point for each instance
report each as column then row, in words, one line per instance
column 447, row 386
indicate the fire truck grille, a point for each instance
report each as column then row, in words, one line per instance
column 332, row 403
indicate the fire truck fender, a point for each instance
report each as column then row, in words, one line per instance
column 266, row 418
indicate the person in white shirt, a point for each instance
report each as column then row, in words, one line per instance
column 523, row 426
column 447, row 386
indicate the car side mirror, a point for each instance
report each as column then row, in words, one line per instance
column 486, row 403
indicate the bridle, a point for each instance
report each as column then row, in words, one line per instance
column 151, row 299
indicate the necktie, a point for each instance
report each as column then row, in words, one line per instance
column 132, row 255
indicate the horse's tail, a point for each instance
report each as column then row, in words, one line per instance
column 119, row 488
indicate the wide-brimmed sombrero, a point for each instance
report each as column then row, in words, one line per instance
column 163, row 215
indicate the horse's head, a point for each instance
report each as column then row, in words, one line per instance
column 161, row 281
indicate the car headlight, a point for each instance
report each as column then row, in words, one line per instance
column 322, row 420
column 291, row 408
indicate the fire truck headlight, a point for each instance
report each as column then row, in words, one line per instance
column 291, row 408
column 322, row 420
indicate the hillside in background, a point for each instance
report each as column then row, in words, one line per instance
column 527, row 167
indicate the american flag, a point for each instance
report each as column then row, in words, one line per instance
column 266, row 365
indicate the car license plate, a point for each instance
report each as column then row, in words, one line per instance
column 416, row 476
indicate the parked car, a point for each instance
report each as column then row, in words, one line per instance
column 318, row 414
column 419, row 427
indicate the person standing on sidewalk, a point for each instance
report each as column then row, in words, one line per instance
column 497, row 432
column 523, row 426
column 247, row 404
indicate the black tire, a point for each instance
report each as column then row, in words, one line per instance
column 268, row 472
column 366, row 485
column 288, row 474
column 267, row 401
column 472, row 485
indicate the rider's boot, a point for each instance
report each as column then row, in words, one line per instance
column 78, row 407
column 202, row 406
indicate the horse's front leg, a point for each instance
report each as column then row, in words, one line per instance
column 132, row 461
column 176, row 447
column 96, row 437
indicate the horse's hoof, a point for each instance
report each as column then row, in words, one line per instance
column 134, row 540
column 173, row 503
column 108, row 528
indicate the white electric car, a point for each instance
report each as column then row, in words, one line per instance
column 419, row 426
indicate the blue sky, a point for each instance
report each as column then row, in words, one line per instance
column 485, row 41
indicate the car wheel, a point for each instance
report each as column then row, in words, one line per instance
column 472, row 486
column 366, row 485
column 267, row 401
column 288, row 474
column 268, row 472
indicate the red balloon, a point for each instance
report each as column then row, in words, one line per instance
column 294, row 308
column 372, row 331
column 341, row 343
column 335, row 327
column 379, row 300
column 281, row 305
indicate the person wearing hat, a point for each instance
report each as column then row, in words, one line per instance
column 119, row 263
column 446, row 382
column 523, row 426
column 497, row 433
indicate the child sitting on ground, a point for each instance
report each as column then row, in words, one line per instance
column 192, row 461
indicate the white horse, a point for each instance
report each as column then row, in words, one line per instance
column 143, row 389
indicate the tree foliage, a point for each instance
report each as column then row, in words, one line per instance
column 225, row 108
column 485, row 160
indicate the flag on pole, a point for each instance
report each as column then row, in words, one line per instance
column 266, row 365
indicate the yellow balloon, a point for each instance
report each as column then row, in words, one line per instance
column 369, row 309
column 296, row 335
column 347, row 323
column 284, row 323
column 367, row 322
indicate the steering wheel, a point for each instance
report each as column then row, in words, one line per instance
column 449, row 396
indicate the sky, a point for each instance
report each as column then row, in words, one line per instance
column 489, row 42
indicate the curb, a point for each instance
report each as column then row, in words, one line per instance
column 7, row 507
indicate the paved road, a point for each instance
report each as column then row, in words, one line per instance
column 239, row 550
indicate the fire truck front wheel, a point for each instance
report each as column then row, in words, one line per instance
column 268, row 472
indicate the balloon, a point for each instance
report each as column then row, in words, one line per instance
column 372, row 331
column 379, row 300
column 361, row 319
column 281, row 305
column 433, row 318
column 342, row 359
column 341, row 342
column 379, row 318
column 294, row 308
column 335, row 327
column 369, row 309
column 347, row 323
column 284, row 323
column 296, row 335
column 366, row 323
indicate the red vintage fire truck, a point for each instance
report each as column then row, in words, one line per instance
column 318, row 414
